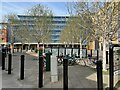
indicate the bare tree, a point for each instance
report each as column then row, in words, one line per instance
column 23, row 33
column 74, row 33
column 42, row 23
column 12, row 20
column 101, row 19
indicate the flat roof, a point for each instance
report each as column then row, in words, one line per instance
column 56, row 16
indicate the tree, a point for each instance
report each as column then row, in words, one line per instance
column 23, row 33
column 42, row 23
column 101, row 19
column 12, row 20
column 74, row 33
column 19, row 30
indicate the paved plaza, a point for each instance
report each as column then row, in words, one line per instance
column 78, row 76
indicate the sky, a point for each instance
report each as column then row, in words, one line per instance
column 20, row 6
column 58, row 8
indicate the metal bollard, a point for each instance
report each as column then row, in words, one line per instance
column 91, row 53
column 22, row 67
column 72, row 52
column 99, row 75
column 40, row 71
column 58, row 51
column 78, row 52
column 111, row 69
column 97, row 54
column 106, row 57
column 9, row 63
column 86, row 53
column 65, row 73
column 3, row 59
column 65, row 51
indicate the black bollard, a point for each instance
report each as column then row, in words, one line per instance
column 65, row 73
column 72, row 52
column 22, row 67
column 91, row 52
column 65, row 51
column 9, row 63
column 78, row 52
column 106, row 57
column 111, row 69
column 99, row 75
column 3, row 59
column 40, row 71
column 97, row 54
column 86, row 53
column 58, row 51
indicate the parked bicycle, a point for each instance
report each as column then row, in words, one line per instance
column 60, row 59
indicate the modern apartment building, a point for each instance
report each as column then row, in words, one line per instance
column 59, row 23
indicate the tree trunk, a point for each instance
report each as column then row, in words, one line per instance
column 80, row 49
column 22, row 48
column 104, row 54
column 12, row 47
column 28, row 47
column 38, row 48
